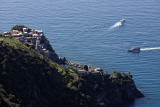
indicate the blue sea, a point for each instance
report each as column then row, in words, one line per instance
column 86, row 31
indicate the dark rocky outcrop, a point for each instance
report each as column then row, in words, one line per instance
column 53, row 55
column 108, row 90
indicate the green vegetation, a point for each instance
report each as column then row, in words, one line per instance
column 129, row 75
column 19, row 28
column 101, row 70
column 117, row 74
column 27, row 78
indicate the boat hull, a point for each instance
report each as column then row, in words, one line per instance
column 134, row 50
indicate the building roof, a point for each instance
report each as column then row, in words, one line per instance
column 35, row 35
column 28, row 37
column 15, row 34
column 17, row 38
column 37, row 40
column 97, row 69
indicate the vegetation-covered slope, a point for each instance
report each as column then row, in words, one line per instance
column 29, row 79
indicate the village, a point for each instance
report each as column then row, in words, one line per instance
column 33, row 38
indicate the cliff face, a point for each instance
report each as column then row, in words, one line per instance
column 53, row 55
column 108, row 90
column 28, row 79
column 121, row 94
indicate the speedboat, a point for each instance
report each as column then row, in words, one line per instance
column 134, row 50
column 122, row 21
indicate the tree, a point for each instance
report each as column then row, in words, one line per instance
column 117, row 73
column 20, row 28
column 101, row 70
column 64, row 60
column 129, row 75
column 86, row 67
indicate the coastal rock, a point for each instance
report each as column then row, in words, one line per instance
column 139, row 94
column 114, row 91
column 122, row 94
column 53, row 55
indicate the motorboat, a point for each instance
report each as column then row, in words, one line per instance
column 122, row 21
column 134, row 50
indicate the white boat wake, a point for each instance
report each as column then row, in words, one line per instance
column 153, row 48
column 118, row 24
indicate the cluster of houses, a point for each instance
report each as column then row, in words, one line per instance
column 92, row 70
column 82, row 71
column 30, row 37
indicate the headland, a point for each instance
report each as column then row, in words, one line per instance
column 31, row 76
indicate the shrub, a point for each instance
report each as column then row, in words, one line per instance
column 101, row 70
column 129, row 75
column 117, row 73
column 124, row 75
column 20, row 28
column 86, row 67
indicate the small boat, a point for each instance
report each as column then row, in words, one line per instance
column 123, row 21
column 134, row 50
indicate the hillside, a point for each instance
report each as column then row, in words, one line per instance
column 28, row 79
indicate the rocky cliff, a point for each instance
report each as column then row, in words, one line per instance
column 111, row 90
column 53, row 55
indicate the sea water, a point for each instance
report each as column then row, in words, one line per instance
column 89, row 32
